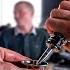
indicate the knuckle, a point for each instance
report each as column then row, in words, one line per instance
column 53, row 12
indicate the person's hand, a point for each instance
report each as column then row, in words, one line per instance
column 59, row 21
column 11, row 56
column 7, row 56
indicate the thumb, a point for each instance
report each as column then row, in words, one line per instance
column 8, row 55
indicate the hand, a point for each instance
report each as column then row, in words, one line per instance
column 59, row 21
column 11, row 56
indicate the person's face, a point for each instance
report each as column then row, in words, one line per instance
column 23, row 15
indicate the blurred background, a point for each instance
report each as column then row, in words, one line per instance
column 6, row 11
column 42, row 10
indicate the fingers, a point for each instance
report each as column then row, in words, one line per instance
column 58, row 25
column 60, row 13
column 65, row 5
column 63, row 12
column 59, row 20
column 11, row 56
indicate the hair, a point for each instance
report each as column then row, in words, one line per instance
column 28, row 4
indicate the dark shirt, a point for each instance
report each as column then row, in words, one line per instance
column 29, row 45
